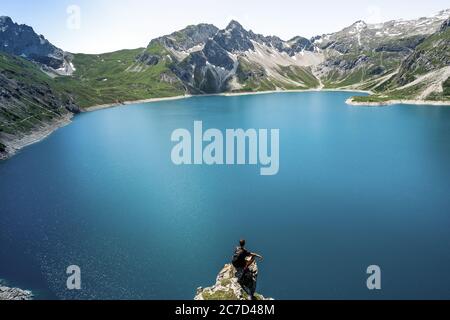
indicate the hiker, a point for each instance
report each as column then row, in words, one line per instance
column 246, row 270
column 243, row 258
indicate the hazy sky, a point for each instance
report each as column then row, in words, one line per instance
column 108, row 25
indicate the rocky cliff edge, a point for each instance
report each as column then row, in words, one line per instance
column 227, row 287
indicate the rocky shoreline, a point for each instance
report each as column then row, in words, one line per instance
column 10, row 294
column 14, row 144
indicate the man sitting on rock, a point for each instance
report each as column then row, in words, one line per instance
column 246, row 269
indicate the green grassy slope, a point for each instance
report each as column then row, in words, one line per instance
column 28, row 97
column 433, row 54
column 363, row 67
column 254, row 78
column 116, row 76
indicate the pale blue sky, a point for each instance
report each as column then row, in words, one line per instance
column 108, row 25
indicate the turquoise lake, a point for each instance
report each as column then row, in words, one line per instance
column 357, row 186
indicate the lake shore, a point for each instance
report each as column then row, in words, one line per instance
column 124, row 103
column 37, row 135
column 15, row 144
column 225, row 94
column 392, row 102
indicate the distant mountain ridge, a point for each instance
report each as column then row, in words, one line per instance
column 234, row 59
column 394, row 60
column 21, row 40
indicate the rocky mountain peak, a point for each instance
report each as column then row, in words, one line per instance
column 4, row 20
column 360, row 23
column 22, row 40
column 358, row 26
column 234, row 25
column 234, row 38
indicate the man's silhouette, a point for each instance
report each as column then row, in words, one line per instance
column 244, row 262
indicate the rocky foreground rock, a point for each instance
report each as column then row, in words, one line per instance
column 227, row 287
column 14, row 294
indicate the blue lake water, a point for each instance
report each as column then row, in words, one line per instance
column 357, row 186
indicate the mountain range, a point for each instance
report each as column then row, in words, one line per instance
column 41, row 85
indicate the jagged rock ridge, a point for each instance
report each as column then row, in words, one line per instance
column 21, row 40
column 234, row 59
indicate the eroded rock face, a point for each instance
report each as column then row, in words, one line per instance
column 227, row 287
column 14, row 294
column 21, row 40
column 234, row 38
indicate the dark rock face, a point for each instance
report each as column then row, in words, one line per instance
column 234, row 38
column 148, row 59
column 342, row 48
column 187, row 69
column 445, row 25
column 346, row 64
column 403, row 46
column 21, row 40
column 217, row 55
column 197, row 75
column 301, row 44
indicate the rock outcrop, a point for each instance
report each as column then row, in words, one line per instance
column 227, row 287
column 14, row 294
